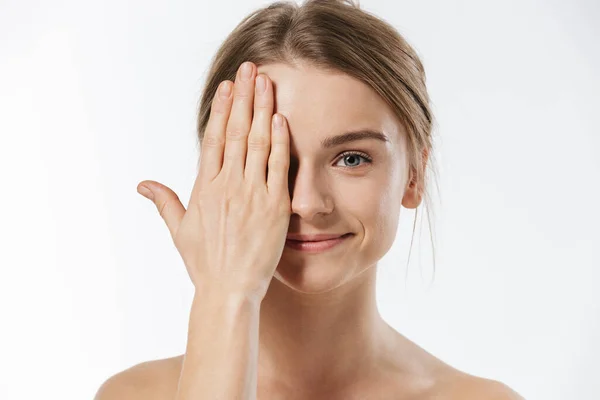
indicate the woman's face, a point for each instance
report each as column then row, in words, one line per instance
column 331, row 192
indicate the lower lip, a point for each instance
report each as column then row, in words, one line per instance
column 316, row 247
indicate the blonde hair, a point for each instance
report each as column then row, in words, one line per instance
column 335, row 35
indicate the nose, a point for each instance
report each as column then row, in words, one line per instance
column 309, row 194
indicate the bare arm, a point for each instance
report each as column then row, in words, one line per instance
column 232, row 235
column 222, row 349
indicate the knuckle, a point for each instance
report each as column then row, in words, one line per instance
column 250, row 194
column 243, row 94
column 281, row 203
column 277, row 163
column 258, row 142
column 162, row 208
column 218, row 107
column 235, row 134
column 212, row 141
column 263, row 105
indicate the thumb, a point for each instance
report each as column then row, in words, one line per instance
column 166, row 201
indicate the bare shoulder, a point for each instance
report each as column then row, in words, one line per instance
column 470, row 387
column 430, row 378
column 150, row 380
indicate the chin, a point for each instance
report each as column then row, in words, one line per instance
column 314, row 275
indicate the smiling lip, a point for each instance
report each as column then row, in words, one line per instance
column 314, row 237
column 315, row 246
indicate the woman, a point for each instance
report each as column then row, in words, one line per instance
column 309, row 150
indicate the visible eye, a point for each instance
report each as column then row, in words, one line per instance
column 353, row 157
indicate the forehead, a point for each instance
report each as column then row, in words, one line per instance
column 319, row 103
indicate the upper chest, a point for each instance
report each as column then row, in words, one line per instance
column 382, row 388
column 388, row 385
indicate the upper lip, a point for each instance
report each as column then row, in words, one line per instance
column 314, row 237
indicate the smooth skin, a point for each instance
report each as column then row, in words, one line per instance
column 320, row 334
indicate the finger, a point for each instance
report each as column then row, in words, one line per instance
column 167, row 202
column 213, row 143
column 259, row 139
column 238, row 125
column 279, row 159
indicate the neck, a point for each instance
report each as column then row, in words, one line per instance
column 310, row 340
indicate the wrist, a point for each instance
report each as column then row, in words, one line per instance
column 223, row 297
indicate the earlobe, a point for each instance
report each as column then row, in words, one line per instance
column 412, row 197
column 413, row 193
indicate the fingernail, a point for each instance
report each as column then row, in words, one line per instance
column 261, row 85
column 225, row 90
column 277, row 121
column 147, row 193
column 246, row 71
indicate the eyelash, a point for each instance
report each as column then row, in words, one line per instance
column 365, row 156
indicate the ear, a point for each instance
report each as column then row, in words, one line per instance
column 413, row 193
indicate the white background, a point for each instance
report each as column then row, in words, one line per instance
column 98, row 96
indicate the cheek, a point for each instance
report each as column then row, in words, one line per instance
column 385, row 221
column 375, row 202
column 377, row 208
column 379, row 220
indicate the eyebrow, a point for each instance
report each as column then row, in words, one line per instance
column 353, row 136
